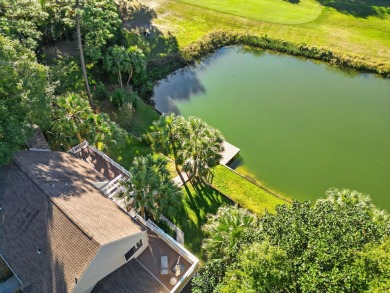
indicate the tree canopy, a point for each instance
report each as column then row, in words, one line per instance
column 194, row 144
column 20, row 20
column 150, row 189
column 99, row 24
column 74, row 121
column 327, row 247
column 120, row 61
column 24, row 96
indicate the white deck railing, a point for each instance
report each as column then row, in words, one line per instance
column 85, row 143
column 172, row 242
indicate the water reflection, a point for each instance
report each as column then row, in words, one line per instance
column 177, row 87
column 184, row 83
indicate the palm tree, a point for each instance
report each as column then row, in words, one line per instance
column 70, row 118
column 166, row 136
column 118, row 60
column 201, row 148
column 149, row 189
column 224, row 229
column 80, row 45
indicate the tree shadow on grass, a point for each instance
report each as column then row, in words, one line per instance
column 143, row 33
column 292, row 1
column 359, row 8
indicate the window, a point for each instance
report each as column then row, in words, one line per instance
column 133, row 250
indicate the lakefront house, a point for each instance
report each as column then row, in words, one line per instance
column 63, row 230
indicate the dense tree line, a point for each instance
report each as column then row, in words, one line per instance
column 340, row 244
column 47, row 95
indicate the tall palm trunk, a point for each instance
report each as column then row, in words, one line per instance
column 174, row 150
column 82, row 56
column 120, row 78
column 130, row 75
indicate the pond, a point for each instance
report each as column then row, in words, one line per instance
column 302, row 126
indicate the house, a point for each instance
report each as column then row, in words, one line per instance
column 61, row 232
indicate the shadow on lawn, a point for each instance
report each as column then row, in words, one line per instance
column 293, row 1
column 138, row 21
column 359, row 8
column 199, row 200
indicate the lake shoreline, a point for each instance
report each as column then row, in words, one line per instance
column 189, row 90
column 161, row 67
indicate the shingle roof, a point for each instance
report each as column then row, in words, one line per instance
column 37, row 141
column 127, row 278
column 69, row 182
column 48, row 202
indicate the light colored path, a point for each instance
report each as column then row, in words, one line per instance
column 10, row 286
column 229, row 152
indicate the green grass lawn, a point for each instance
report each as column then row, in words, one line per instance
column 198, row 201
column 360, row 28
column 243, row 192
column 265, row 10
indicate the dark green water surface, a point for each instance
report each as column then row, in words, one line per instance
column 302, row 127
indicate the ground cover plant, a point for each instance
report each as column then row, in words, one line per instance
column 244, row 192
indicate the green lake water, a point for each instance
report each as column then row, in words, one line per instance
column 302, row 126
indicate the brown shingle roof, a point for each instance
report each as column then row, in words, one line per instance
column 48, row 202
column 68, row 181
column 29, row 221
column 37, row 141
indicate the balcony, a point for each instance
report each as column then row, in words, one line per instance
column 161, row 244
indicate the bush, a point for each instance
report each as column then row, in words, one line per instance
column 101, row 91
column 119, row 97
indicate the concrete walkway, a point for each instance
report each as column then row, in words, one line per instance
column 10, row 286
column 229, row 152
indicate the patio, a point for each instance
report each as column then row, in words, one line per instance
column 150, row 258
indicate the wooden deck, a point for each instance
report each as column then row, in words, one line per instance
column 150, row 258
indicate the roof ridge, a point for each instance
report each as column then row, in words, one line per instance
column 64, row 210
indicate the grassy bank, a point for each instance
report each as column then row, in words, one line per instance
column 354, row 30
column 160, row 67
column 244, row 192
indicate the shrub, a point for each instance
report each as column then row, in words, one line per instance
column 119, row 97
column 101, row 91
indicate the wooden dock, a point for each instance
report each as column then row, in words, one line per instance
column 229, row 153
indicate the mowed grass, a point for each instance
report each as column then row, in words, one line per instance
column 357, row 28
column 265, row 10
column 243, row 192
